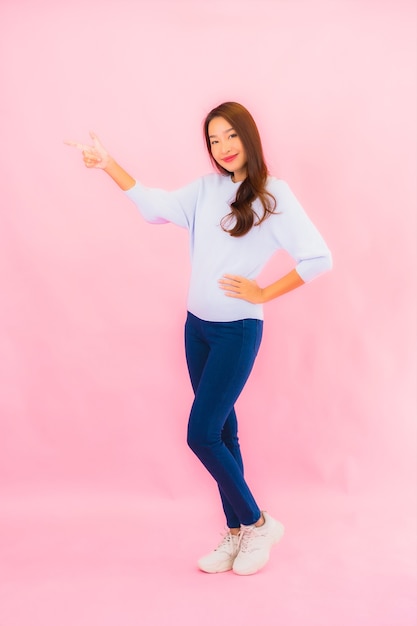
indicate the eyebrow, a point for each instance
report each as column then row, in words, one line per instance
column 225, row 131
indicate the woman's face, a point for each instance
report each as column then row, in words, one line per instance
column 227, row 149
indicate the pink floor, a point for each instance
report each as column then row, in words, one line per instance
column 89, row 559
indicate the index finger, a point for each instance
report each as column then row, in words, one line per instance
column 75, row 144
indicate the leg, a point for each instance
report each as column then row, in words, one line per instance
column 231, row 441
column 197, row 353
column 232, row 350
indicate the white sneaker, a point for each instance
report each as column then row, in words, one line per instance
column 255, row 545
column 222, row 558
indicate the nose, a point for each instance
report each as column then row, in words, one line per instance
column 225, row 148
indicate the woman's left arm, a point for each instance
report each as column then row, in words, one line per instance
column 245, row 289
column 296, row 234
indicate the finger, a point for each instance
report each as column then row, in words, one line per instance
column 233, row 277
column 230, row 281
column 231, row 288
column 92, row 160
column 75, row 144
column 95, row 139
column 90, row 152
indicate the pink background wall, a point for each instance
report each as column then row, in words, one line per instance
column 93, row 300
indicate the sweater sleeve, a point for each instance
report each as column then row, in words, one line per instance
column 297, row 234
column 158, row 206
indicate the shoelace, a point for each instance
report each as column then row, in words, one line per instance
column 248, row 536
column 227, row 543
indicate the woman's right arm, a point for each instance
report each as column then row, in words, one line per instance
column 155, row 205
column 119, row 175
column 96, row 156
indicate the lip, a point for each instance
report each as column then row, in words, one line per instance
column 229, row 159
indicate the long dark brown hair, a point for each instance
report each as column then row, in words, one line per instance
column 242, row 216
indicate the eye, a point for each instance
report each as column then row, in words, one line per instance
column 233, row 135
column 214, row 141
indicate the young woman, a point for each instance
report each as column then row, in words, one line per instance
column 237, row 218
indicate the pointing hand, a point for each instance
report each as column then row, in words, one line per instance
column 93, row 155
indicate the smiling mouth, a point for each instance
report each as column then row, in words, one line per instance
column 231, row 158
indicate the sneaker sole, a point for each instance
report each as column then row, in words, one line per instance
column 220, row 570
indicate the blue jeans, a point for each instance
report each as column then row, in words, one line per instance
column 220, row 357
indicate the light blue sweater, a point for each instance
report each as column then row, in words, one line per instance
column 200, row 206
